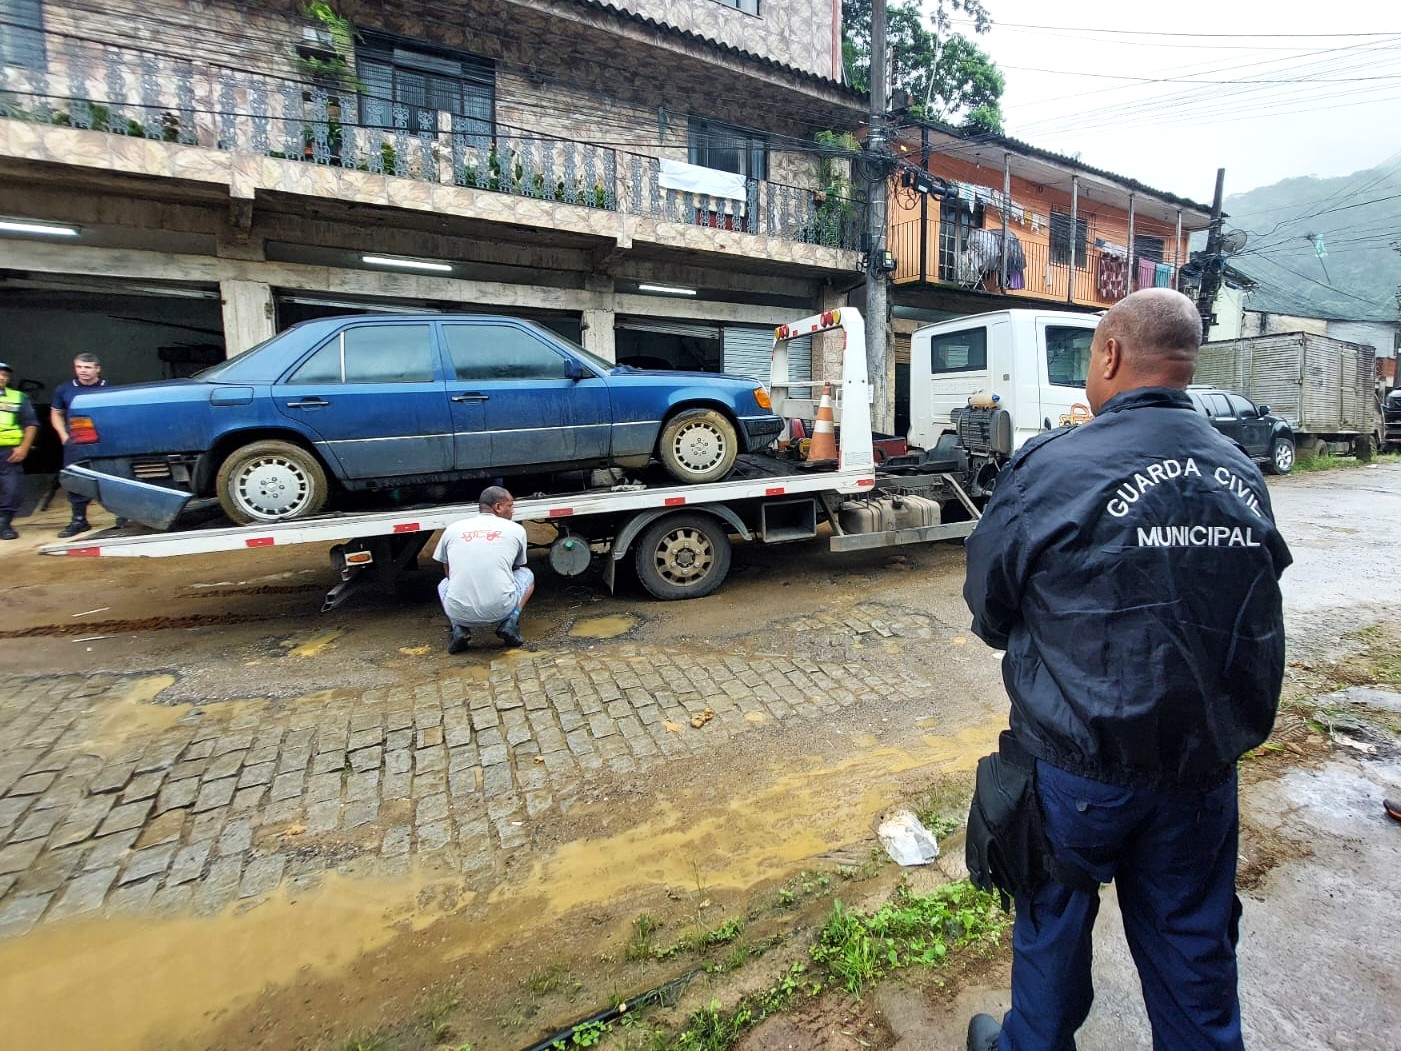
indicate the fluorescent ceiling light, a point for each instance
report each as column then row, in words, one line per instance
column 34, row 226
column 179, row 293
column 669, row 290
column 407, row 264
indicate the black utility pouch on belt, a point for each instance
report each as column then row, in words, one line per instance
column 1006, row 847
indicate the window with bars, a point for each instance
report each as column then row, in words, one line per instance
column 407, row 87
column 727, row 149
column 22, row 33
column 956, row 222
column 1068, row 241
column 1148, row 248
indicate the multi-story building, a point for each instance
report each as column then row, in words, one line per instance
column 182, row 178
column 998, row 223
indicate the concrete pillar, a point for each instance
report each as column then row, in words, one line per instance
column 827, row 346
column 598, row 334
column 248, row 314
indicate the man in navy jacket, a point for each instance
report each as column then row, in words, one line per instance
column 1129, row 567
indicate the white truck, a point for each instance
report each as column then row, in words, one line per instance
column 678, row 537
column 982, row 385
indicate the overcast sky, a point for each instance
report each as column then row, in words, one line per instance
column 1319, row 117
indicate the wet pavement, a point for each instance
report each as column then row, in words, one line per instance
column 201, row 778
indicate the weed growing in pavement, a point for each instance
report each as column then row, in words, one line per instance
column 436, row 1011
column 363, row 1040
column 643, row 945
column 943, row 808
column 1329, row 462
column 715, row 1028
column 908, row 930
column 549, row 979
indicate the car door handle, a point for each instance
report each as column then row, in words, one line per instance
column 308, row 403
column 471, row 395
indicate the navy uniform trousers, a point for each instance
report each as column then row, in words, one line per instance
column 1172, row 858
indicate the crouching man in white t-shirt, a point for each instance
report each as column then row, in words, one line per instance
column 485, row 581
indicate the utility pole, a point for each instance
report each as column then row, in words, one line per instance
column 1211, row 260
column 877, row 290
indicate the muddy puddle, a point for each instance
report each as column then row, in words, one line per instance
column 327, row 958
column 609, row 627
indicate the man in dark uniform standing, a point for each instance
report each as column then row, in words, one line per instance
column 87, row 375
column 18, row 426
column 1130, row 569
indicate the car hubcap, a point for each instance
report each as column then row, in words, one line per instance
column 684, row 556
column 698, row 447
column 272, row 487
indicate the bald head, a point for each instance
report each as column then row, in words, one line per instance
column 1148, row 339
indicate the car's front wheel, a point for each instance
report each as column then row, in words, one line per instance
column 271, row 481
column 698, row 445
column 1281, row 459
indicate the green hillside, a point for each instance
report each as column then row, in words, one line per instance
column 1358, row 219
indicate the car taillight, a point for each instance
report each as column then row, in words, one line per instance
column 761, row 395
column 81, row 430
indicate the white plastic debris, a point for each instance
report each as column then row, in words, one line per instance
column 906, row 840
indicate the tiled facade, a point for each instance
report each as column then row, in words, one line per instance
column 543, row 189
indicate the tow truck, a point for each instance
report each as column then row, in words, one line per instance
column 679, row 536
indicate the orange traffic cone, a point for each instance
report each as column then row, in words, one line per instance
column 824, row 433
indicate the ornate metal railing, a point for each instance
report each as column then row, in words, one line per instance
column 84, row 84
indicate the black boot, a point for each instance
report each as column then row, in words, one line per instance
column 983, row 1031
column 460, row 639
column 7, row 531
column 509, row 631
column 73, row 528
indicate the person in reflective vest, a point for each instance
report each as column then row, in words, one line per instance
column 18, row 426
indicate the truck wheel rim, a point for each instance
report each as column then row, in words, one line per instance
column 684, row 556
column 272, row 487
column 698, row 446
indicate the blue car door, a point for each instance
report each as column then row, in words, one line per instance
column 373, row 398
column 518, row 399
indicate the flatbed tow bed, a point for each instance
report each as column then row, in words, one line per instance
column 682, row 531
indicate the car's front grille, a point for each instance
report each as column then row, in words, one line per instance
column 149, row 470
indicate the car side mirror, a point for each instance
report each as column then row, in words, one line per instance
column 1262, row 411
column 574, row 371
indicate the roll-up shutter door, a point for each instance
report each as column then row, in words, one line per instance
column 698, row 329
column 748, row 351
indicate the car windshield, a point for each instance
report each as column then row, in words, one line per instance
column 602, row 364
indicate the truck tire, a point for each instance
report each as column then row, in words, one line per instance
column 271, row 481
column 698, row 445
column 1281, row 459
column 683, row 556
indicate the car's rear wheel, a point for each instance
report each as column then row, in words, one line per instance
column 683, row 556
column 271, row 481
column 1281, row 459
column 698, row 445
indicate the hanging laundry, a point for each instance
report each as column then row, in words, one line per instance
column 1112, row 276
column 1162, row 276
column 1146, row 268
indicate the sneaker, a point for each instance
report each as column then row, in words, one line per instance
column 121, row 523
column 460, row 640
column 1392, row 806
column 7, row 531
column 73, row 528
column 509, row 631
column 983, row 1033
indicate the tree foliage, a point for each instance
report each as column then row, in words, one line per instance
column 945, row 74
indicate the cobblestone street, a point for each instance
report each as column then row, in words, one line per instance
column 199, row 806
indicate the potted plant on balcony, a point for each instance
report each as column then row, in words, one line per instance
column 325, row 56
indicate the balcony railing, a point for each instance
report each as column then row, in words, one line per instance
column 121, row 91
column 1100, row 277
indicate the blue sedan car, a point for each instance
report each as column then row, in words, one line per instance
column 379, row 401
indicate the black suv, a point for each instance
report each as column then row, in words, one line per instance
column 1267, row 439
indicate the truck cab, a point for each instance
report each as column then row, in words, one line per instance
column 988, row 382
